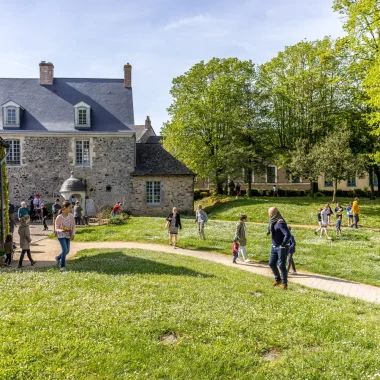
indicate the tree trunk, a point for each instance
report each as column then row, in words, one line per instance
column 313, row 187
column 377, row 174
column 249, row 182
column 370, row 174
column 334, row 190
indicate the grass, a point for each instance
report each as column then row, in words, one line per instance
column 297, row 210
column 133, row 314
column 354, row 256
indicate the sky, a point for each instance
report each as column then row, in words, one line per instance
column 161, row 39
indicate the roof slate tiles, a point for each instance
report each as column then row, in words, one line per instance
column 153, row 159
column 51, row 108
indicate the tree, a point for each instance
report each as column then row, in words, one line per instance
column 210, row 101
column 304, row 163
column 305, row 97
column 334, row 158
column 362, row 23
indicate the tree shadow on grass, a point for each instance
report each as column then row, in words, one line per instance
column 117, row 263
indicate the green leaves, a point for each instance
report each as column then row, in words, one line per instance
column 211, row 102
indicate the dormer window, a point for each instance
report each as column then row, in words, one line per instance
column 11, row 118
column 82, row 115
column 11, row 113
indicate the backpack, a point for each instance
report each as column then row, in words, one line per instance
column 204, row 218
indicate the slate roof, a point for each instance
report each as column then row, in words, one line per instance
column 50, row 108
column 140, row 131
column 153, row 159
column 154, row 139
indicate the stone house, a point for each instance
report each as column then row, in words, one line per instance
column 277, row 176
column 56, row 126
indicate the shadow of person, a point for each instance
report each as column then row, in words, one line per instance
column 119, row 262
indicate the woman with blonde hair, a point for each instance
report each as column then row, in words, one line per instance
column 65, row 231
column 175, row 223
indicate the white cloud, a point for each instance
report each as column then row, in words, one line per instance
column 201, row 19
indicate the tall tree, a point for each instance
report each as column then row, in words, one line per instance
column 305, row 97
column 210, row 101
column 335, row 159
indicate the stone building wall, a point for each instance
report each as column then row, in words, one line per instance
column 176, row 191
column 46, row 162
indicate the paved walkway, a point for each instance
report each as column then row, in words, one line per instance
column 45, row 250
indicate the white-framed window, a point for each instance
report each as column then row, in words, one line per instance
column 82, row 152
column 153, row 192
column 14, row 156
column 11, row 114
column 272, row 174
column 82, row 115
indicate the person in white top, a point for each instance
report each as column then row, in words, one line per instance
column 65, row 232
column 324, row 221
column 201, row 218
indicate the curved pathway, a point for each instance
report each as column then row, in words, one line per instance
column 45, row 250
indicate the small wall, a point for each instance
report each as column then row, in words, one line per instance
column 176, row 191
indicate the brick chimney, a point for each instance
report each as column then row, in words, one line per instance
column 127, row 75
column 46, row 73
column 147, row 123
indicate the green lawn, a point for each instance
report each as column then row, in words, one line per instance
column 354, row 256
column 297, row 210
column 134, row 314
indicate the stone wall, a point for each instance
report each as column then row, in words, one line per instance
column 46, row 162
column 176, row 191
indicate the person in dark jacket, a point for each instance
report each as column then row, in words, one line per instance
column 291, row 250
column 175, row 222
column 45, row 214
column 12, row 216
column 280, row 238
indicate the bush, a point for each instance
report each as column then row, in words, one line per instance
column 201, row 193
column 105, row 212
column 119, row 219
column 319, row 194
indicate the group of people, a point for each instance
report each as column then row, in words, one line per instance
column 283, row 241
column 64, row 226
column 325, row 213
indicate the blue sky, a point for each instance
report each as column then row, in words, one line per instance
column 161, row 39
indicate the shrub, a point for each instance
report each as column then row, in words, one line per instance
column 105, row 212
column 319, row 194
column 196, row 194
column 203, row 194
column 119, row 219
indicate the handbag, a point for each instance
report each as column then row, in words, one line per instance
column 167, row 225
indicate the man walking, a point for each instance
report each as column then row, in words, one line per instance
column 12, row 216
column 241, row 234
column 355, row 212
column 280, row 238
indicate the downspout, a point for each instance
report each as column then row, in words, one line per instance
column 1, row 198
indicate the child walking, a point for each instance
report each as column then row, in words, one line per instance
column 339, row 217
column 235, row 250
column 8, row 248
column 319, row 221
column 291, row 250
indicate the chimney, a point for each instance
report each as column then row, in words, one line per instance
column 147, row 123
column 127, row 75
column 46, row 73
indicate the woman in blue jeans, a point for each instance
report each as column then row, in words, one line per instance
column 65, row 231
